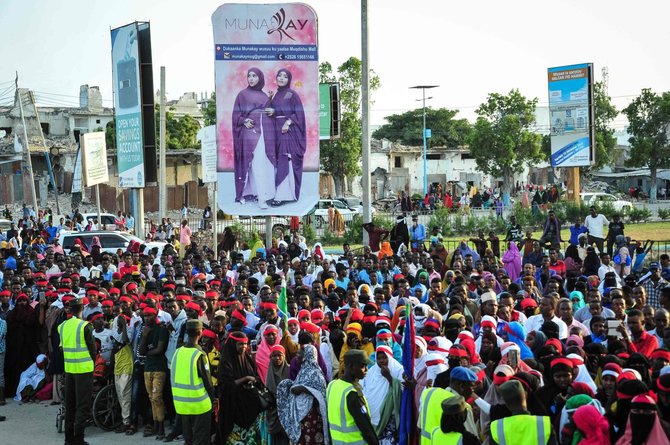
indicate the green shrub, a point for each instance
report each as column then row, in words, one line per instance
column 442, row 219
column 568, row 211
column 664, row 214
column 638, row 215
column 309, row 233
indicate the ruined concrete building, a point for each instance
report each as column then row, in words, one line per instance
column 61, row 126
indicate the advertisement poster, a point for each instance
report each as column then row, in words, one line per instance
column 325, row 114
column 571, row 115
column 94, row 158
column 267, row 105
column 128, row 106
column 207, row 138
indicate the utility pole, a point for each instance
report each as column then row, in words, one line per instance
column 423, row 89
column 365, row 113
column 48, row 157
column 162, row 183
column 27, row 147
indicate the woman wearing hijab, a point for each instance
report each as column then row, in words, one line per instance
column 555, row 392
column 573, row 263
column 382, row 389
column 591, row 262
column 465, row 250
column 354, row 341
column 512, row 261
column 385, row 250
column 21, row 343
column 644, row 424
column 269, row 338
column 254, row 147
column 577, row 299
column 567, row 428
column 241, row 417
column 301, row 403
column 516, row 335
column 592, row 426
column 290, row 134
column 535, row 341
column 277, row 372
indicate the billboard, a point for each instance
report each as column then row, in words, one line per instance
column 128, row 106
column 94, row 158
column 571, row 115
column 325, row 114
column 267, row 106
column 207, row 138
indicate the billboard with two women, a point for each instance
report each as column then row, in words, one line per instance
column 267, row 102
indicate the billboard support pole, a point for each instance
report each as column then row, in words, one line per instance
column 138, row 211
column 268, row 233
column 365, row 112
column 215, row 222
column 162, row 193
column 575, row 184
column 97, row 201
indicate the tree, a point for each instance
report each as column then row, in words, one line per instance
column 406, row 128
column 209, row 112
column 110, row 134
column 649, row 122
column 340, row 157
column 180, row 133
column 502, row 141
column 605, row 113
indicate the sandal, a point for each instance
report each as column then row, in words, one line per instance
column 131, row 430
column 148, row 431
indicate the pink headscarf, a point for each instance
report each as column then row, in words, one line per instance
column 264, row 351
column 512, row 261
column 592, row 424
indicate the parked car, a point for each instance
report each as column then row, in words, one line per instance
column 107, row 220
column 110, row 240
column 320, row 211
column 5, row 224
column 355, row 203
column 598, row 198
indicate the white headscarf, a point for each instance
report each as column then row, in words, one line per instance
column 376, row 387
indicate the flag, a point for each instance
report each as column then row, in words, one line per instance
column 282, row 303
column 407, row 410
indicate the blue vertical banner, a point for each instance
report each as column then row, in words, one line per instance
column 128, row 106
column 571, row 115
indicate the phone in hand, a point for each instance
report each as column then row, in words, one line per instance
column 514, row 358
column 254, row 345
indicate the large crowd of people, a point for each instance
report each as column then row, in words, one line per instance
column 542, row 341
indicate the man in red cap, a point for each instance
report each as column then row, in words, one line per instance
column 153, row 345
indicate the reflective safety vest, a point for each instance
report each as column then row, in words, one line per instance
column 430, row 411
column 188, row 390
column 438, row 437
column 343, row 429
column 522, row 429
column 76, row 357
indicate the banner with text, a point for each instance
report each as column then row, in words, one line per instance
column 267, row 106
column 571, row 115
column 94, row 158
column 128, row 106
column 207, row 138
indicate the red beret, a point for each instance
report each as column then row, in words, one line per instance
column 107, row 303
column 115, row 291
column 149, row 311
column 309, row 327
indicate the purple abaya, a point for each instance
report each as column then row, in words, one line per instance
column 512, row 261
column 250, row 104
column 291, row 145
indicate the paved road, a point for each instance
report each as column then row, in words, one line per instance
column 35, row 424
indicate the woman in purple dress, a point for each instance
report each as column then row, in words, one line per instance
column 289, row 119
column 254, row 147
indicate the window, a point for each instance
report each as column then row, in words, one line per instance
column 339, row 205
column 113, row 241
column 433, row 157
column 107, row 219
column 97, row 121
column 397, row 162
column 465, row 156
column 45, row 128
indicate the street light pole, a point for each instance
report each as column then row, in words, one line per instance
column 425, row 172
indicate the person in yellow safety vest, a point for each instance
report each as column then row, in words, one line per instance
column 348, row 412
column 79, row 351
column 461, row 382
column 521, row 428
column 430, row 411
column 192, row 390
column 452, row 424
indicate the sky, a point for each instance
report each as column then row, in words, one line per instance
column 469, row 49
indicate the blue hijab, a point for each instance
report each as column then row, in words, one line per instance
column 516, row 335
